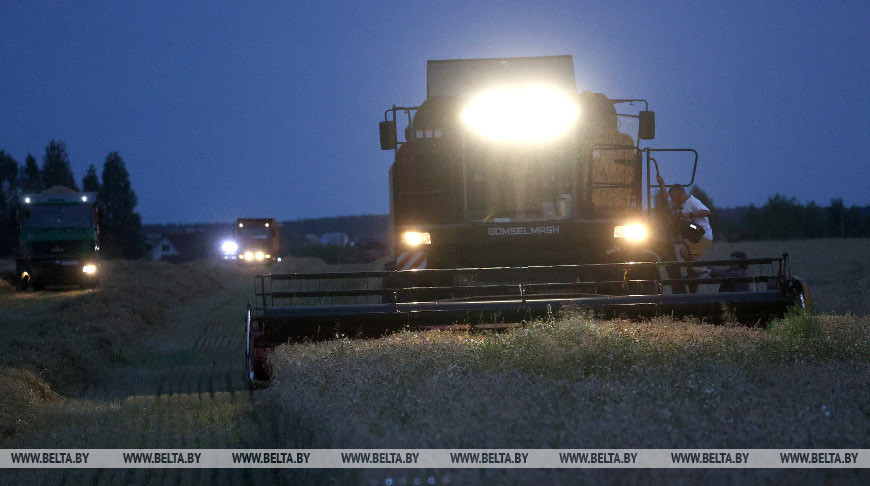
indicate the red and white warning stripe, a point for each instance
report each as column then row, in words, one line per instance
column 411, row 261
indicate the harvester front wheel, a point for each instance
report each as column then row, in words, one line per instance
column 255, row 372
column 802, row 293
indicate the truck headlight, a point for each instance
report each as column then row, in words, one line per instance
column 249, row 255
column 229, row 247
column 259, row 255
column 89, row 269
column 631, row 232
column 416, row 238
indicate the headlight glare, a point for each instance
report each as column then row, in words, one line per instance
column 527, row 114
column 416, row 238
column 89, row 269
column 229, row 247
column 631, row 232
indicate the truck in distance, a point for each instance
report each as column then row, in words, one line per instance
column 254, row 240
column 60, row 239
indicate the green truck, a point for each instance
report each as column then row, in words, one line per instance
column 60, row 239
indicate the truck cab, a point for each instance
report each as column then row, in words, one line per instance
column 254, row 240
column 60, row 239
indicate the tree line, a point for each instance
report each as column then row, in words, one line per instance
column 120, row 223
column 785, row 218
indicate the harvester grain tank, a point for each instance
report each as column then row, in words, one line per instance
column 60, row 239
column 513, row 196
column 255, row 240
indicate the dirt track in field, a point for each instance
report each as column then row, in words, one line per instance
column 183, row 388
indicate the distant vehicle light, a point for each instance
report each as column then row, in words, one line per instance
column 84, row 198
column 267, row 225
column 241, row 225
column 26, row 200
column 259, row 255
column 268, row 256
column 89, row 269
column 279, row 259
column 249, row 256
column 416, row 238
column 229, row 247
column 527, row 114
column 631, row 232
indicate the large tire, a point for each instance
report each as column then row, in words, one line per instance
column 256, row 376
column 803, row 297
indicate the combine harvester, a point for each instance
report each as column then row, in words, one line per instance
column 512, row 197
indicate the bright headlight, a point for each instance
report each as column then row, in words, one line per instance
column 416, row 238
column 249, row 255
column 229, row 247
column 631, row 232
column 259, row 255
column 89, row 269
column 531, row 113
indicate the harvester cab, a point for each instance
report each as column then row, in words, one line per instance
column 60, row 239
column 254, row 241
column 513, row 196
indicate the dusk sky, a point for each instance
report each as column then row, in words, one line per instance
column 270, row 109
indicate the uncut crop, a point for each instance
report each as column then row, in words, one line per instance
column 577, row 382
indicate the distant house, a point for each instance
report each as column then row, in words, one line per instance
column 335, row 239
column 180, row 247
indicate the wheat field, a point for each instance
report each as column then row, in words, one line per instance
column 154, row 359
column 579, row 382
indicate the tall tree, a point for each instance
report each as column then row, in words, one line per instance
column 31, row 178
column 121, row 222
column 8, row 202
column 8, row 168
column 91, row 183
column 815, row 220
column 55, row 166
column 837, row 217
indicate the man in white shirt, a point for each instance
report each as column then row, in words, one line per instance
column 688, row 207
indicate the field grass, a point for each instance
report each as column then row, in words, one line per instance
column 57, row 342
column 161, row 369
column 579, row 382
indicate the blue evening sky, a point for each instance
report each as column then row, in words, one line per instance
column 226, row 109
